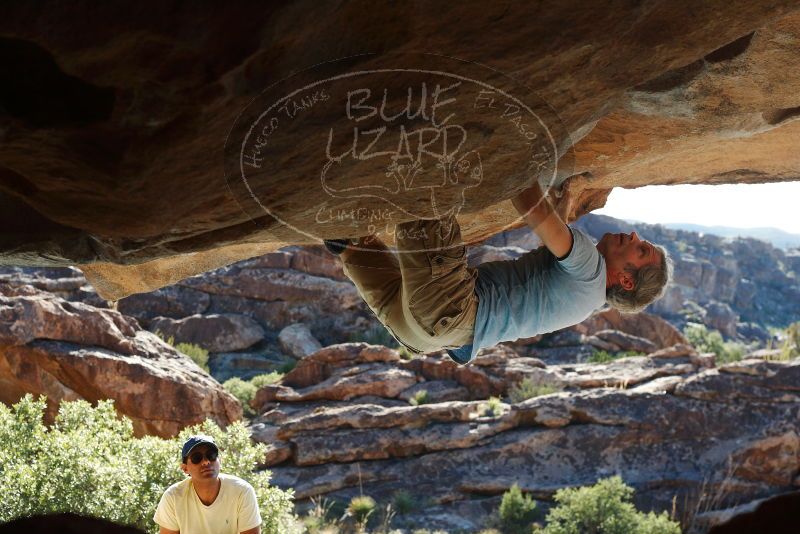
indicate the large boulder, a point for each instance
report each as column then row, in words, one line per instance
column 175, row 302
column 222, row 332
column 643, row 325
column 70, row 351
column 298, row 341
column 720, row 316
column 620, row 341
column 659, row 93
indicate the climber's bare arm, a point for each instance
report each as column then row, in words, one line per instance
column 537, row 211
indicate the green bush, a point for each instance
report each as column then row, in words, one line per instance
column 517, row 511
column 492, row 408
column 322, row 518
column 528, row 389
column 244, row 392
column 706, row 340
column 604, row 508
column 90, row 463
column 404, row 502
column 419, row 398
column 197, row 353
column 600, row 356
column 405, row 353
column 286, row 367
column 791, row 345
column 266, row 379
column 360, row 508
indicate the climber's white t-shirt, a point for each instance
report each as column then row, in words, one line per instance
column 537, row 293
column 234, row 510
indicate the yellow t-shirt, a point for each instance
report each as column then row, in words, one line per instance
column 234, row 510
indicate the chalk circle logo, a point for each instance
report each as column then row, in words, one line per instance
column 355, row 147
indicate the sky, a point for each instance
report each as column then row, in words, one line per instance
column 774, row 205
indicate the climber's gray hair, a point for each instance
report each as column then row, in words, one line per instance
column 650, row 284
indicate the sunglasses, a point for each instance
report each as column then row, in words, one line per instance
column 197, row 457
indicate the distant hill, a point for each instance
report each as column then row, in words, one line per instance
column 775, row 236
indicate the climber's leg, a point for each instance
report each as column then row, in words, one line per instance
column 374, row 270
column 438, row 288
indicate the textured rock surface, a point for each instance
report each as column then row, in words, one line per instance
column 214, row 332
column 235, row 312
column 644, row 325
column 298, row 341
column 68, row 350
column 660, row 92
column 668, row 424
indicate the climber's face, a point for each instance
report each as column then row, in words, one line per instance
column 624, row 253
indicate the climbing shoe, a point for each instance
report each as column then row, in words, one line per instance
column 336, row 246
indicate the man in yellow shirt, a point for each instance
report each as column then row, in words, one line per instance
column 207, row 502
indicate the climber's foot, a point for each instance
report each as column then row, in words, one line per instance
column 336, row 246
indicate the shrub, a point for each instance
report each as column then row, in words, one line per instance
column 89, row 462
column 420, row 397
column 266, row 379
column 791, row 345
column 197, row 353
column 404, row 502
column 405, row 353
column 321, row 518
column 711, row 341
column 528, row 389
column 493, row 407
column 601, row 356
column 288, row 366
column 244, row 392
column 604, row 508
column 360, row 508
column 517, row 511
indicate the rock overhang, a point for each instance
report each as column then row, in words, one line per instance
column 135, row 192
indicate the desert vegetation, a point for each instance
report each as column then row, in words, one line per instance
column 89, row 462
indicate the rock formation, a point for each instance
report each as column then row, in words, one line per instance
column 114, row 125
column 678, row 429
column 237, row 313
column 671, row 422
column 71, row 350
column 240, row 312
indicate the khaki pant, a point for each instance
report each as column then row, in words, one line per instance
column 425, row 294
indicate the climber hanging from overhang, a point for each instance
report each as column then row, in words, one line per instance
column 430, row 299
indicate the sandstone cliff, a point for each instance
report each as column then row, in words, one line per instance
column 71, row 350
column 671, row 421
column 688, row 436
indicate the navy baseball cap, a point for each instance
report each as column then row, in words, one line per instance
column 193, row 442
